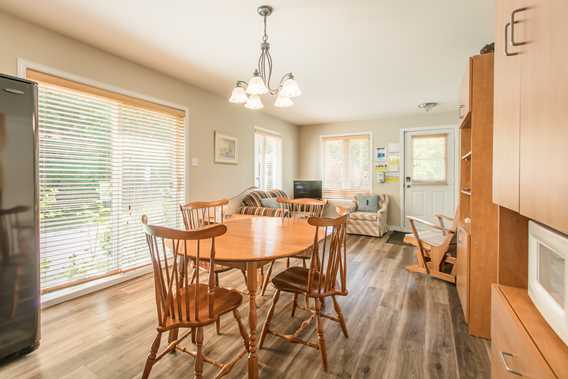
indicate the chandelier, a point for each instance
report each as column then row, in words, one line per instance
column 249, row 93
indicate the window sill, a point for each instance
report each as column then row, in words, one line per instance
column 65, row 294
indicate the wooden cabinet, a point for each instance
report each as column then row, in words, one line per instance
column 531, row 112
column 513, row 353
column 477, row 252
column 544, row 113
column 522, row 343
column 462, row 270
column 506, row 130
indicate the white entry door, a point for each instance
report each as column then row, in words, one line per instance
column 429, row 173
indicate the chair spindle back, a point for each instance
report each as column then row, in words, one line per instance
column 197, row 214
column 329, row 257
column 172, row 277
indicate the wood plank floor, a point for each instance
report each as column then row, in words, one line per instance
column 401, row 325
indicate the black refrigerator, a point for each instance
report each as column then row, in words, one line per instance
column 19, row 218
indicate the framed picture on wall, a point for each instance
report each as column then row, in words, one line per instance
column 226, row 149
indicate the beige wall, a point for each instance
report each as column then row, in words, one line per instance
column 207, row 112
column 384, row 131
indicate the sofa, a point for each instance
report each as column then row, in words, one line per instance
column 251, row 203
column 369, row 223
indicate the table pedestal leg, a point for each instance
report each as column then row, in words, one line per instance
column 252, row 288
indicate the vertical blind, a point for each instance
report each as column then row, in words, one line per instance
column 346, row 165
column 268, row 160
column 104, row 160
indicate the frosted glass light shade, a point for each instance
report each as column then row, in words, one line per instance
column 283, row 102
column 254, row 102
column 290, row 88
column 238, row 96
column 256, row 85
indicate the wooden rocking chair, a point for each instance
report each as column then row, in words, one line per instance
column 433, row 245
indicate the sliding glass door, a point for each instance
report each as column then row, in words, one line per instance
column 104, row 160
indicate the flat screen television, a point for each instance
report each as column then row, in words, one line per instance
column 307, row 189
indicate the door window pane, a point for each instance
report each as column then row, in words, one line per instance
column 430, row 159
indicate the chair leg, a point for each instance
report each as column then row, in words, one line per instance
column 172, row 337
column 267, row 278
column 287, row 262
column 193, row 333
column 152, row 356
column 244, row 275
column 340, row 316
column 242, row 329
column 218, row 321
column 269, row 318
column 321, row 337
column 295, row 304
column 199, row 355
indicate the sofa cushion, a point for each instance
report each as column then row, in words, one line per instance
column 363, row 216
column 270, row 203
column 367, row 203
column 253, row 199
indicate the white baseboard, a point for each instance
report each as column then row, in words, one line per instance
column 396, row 228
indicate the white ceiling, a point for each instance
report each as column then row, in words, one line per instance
column 354, row 59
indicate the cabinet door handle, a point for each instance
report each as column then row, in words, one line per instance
column 507, row 53
column 513, row 23
column 509, row 369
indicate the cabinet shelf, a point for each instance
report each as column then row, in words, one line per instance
column 466, row 121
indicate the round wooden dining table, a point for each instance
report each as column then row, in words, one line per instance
column 250, row 243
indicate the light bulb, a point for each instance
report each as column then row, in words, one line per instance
column 238, row 96
column 256, row 85
column 254, row 102
column 283, row 102
column 290, row 88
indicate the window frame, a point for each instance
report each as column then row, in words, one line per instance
column 346, row 196
column 81, row 287
column 268, row 133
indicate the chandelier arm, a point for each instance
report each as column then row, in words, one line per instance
column 269, row 57
column 259, row 65
column 288, row 75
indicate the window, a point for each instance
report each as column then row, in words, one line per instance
column 429, row 159
column 267, row 160
column 346, row 165
column 104, row 160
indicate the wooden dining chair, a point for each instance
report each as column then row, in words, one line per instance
column 181, row 304
column 326, row 277
column 198, row 214
column 433, row 243
column 296, row 209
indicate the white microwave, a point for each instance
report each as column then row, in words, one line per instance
column 548, row 276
